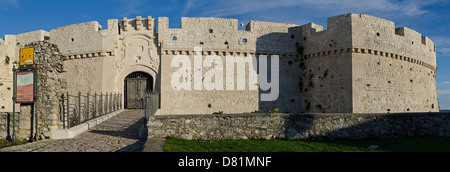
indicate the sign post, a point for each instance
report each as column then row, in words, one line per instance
column 26, row 57
column 25, row 85
column 14, row 104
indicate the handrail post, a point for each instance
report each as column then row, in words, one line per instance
column 115, row 101
column 79, row 107
column 88, row 108
column 112, row 102
column 95, row 105
column 68, row 111
column 116, row 105
column 101, row 104
column 63, row 112
column 106, row 104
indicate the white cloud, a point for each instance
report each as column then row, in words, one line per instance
column 442, row 44
column 189, row 4
column 6, row 4
column 303, row 11
column 324, row 7
column 444, row 99
column 443, row 92
column 131, row 7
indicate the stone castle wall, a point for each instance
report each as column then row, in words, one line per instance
column 10, row 47
column 6, row 124
column 50, row 87
column 218, row 37
column 326, row 67
column 221, row 37
column 137, row 51
column 90, row 51
column 359, row 64
column 383, row 68
column 394, row 69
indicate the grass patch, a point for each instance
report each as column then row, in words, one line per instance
column 426, row 144
column 5, row 143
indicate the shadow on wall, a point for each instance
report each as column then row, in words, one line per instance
column 367, row 126
column 288, row 46
column 299, row 127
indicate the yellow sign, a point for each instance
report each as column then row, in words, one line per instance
column 26, row 56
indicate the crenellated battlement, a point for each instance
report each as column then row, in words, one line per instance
column 376, row 33
column 85, row 38
column 224, row 35
column 138, row 24
column 362, row 31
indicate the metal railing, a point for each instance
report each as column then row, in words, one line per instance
column 76, row 109
column 151, row 105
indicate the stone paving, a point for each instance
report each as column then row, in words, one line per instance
column 118, row 134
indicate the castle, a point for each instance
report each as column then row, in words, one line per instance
column 359, row 64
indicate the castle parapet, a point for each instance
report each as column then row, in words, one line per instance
column 379, row 34
column 86, row 38
column 138, row 24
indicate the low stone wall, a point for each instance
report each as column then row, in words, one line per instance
column 303, row 126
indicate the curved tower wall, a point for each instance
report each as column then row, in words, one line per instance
column 363, row 64
column 327, row 67
column 394, row 69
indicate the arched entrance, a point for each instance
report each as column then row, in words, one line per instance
column 136, row 86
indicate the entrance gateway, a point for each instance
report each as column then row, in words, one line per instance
column 137, row 85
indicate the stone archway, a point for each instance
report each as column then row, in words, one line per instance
column 137, row 53
column 137, row 85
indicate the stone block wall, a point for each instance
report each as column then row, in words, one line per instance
column 137, row 51
column 394, row 69
column 221, row 37
column 6, row 123
column 326, row 78
column 50, row 87
column 10, row 47
column 392, row 85
column 210, row 33
column 85, row 39
column 379, row 34
column 90, row 52
column 299, row 127
column 85, row 75
column 204, row 102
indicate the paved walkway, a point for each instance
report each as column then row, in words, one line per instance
column 118, row 134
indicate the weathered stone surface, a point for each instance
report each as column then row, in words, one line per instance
column 305, row 126
column 50, row 63
column 49, row 66
column 360, row 64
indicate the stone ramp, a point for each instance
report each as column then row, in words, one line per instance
column 117, row 134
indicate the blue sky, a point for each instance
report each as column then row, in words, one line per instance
column 431, row 17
